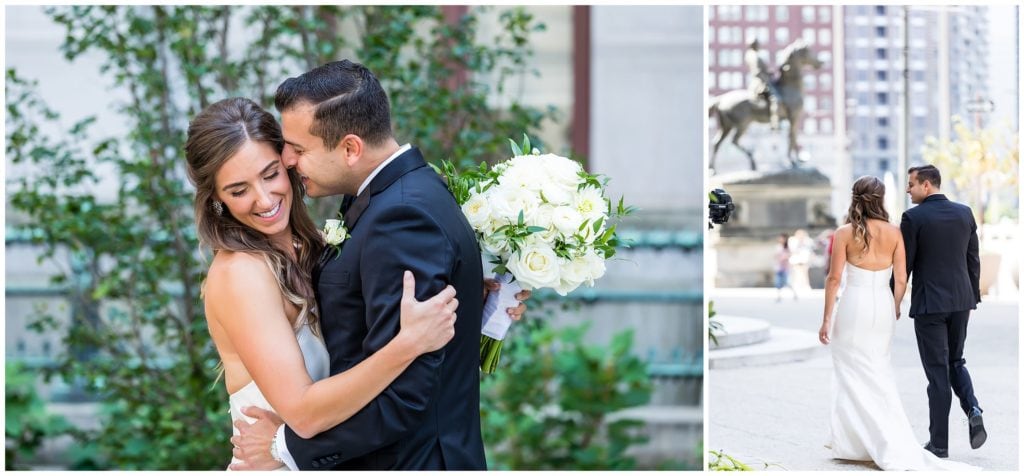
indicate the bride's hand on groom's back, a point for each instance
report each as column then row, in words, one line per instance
column 429, row 324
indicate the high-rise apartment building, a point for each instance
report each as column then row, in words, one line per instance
column 948, row 73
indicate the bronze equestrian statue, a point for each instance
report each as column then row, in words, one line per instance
column 766, row 98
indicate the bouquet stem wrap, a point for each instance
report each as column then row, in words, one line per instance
column 496, row 321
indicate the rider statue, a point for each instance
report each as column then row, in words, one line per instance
column 761, row 84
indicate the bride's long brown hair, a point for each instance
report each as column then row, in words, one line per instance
column 866, row 203
column 214, row 136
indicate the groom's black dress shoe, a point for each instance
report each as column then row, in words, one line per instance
column 976, row 428
column 940, row 452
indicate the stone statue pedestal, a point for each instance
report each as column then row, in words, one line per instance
column 767, row 205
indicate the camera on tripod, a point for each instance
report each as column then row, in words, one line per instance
column 720, row 207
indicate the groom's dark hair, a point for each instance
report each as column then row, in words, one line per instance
column 927, row 173
column 348, row 99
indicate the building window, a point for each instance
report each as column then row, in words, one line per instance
column 810, row 103
column 808, row 14
column 756, row 13
column 825, row 57
column 883, row 143
column 880, row 32
column 826, row 104
column 826, row 81
column 809, row 36
column 882, row 75
column 882, row 121
column 826, row 125
column 737, row 79
column 737, row 57
column 883, row 165
column 782, row 35
column 882, row 98
column 879, row 9
column 880, row 53
column 810, row 126
column 825, row 14
column 824, row 37
column 724, row 80
column 810, row 82
column 782, row 13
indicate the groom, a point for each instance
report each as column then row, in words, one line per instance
column 942, row 255
column 337, row 128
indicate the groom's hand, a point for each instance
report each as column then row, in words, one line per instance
column 491, row 285
column 252, row 444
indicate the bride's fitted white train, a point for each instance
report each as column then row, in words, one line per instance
column 318, row 365
column 868, row 422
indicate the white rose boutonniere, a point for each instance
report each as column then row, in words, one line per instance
column 335, row 233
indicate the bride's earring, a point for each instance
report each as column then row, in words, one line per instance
column 218, row 207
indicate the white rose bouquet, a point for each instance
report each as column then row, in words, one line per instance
column 542, row 221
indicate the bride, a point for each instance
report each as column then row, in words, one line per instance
column 260, row 304
column 867, row 421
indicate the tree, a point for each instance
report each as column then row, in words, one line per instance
column 980, row 164
column 138, row 340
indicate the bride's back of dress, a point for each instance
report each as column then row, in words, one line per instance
column 881, row 248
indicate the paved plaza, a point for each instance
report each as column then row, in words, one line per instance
column 775, row 417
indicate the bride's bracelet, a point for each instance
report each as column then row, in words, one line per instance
column 273, row 449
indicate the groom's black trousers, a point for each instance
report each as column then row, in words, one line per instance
column 940, row 341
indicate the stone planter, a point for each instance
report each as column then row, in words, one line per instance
column 989, row 271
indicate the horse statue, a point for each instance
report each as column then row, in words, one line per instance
column 736, row 109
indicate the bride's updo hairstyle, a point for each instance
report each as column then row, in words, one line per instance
column 214, row 136
column 866, row 203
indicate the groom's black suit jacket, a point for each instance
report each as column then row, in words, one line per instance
column 429, row 417
column 941, row 242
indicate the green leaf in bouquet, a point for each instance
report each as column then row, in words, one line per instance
column 526, row 144
column 598, row 223
column 521, row 218
column 608, row 234
column 516, row 151
column 536, row 229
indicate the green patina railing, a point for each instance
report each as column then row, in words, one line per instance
column 679, row 365
column 637, row 239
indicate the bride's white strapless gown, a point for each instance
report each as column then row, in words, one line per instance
column 868, row 422
column 318, row 365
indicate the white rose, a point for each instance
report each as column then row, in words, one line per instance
column 496, row 244
column 574, row 272
column 334, row 233
column 523, row 173
column 595, row 266
column 566, row 220
column 478, row 212
column 506, row 202
column 590, row 203
column 535, row 267
column 563, row 175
